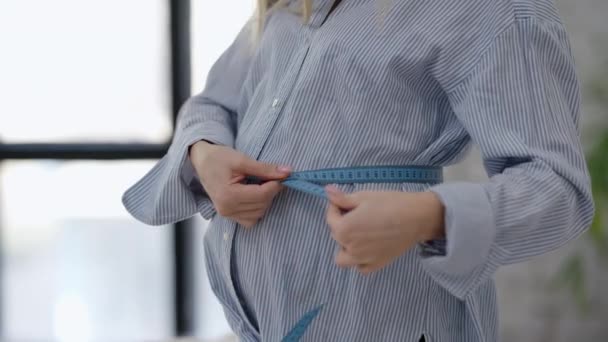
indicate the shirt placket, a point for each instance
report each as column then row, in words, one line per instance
column 285, row 88
column 276, row 104
column 264, row 127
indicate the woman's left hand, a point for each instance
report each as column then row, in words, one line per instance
column 375, row 228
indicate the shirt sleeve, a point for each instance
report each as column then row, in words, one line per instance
column 520, row 104
column 170, row 191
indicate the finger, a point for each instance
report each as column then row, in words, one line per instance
column 341, row 229
column 251, row 215
column 255, row 193
column 340, row 199
column 252, row 167
column 343, row 259
column 246, row 207
column 334, row 218
column 270, row 189
column 261, row 205
column 229, row 205
column 247, row 224
column 367, row 269
column 237, row 179
column 248, row 193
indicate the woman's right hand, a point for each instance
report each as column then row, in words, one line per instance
column 221, row 171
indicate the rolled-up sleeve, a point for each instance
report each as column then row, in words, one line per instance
column 170, row 191
column 520, row 105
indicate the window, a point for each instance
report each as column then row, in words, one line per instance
column 76, row 267
column 89, row 95
column 90, row 91
column 215, row 24
column 84, row 71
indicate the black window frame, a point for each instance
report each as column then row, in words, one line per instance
column 183, row 248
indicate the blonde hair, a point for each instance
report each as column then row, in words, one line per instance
column 266, row 5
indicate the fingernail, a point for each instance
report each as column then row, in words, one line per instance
column 284, row 168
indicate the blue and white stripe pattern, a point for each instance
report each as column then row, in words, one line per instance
column 413, row 85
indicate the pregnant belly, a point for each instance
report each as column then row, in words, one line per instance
column 287, row 259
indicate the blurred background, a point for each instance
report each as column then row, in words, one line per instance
column 88, row 95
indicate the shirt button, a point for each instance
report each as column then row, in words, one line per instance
column 275, row 103
column 226, row 236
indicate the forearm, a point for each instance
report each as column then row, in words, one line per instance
column 434, row 211
column 527, row 210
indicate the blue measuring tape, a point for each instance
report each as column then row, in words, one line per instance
column 312, row 182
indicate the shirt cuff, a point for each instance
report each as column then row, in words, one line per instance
column 190, row 178
column 215, row 133
column 469, row 230
column 212, row 131
column 164, row 195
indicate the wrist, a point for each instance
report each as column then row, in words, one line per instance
column 199, row 150
column 433, row 222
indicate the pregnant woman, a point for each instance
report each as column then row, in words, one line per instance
column 316, row 150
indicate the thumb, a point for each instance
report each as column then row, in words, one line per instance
column 340, row 199
column 255, row 168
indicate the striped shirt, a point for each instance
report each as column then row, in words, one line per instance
column 408, row 83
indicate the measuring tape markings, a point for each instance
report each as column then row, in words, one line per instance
column 311, row 182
